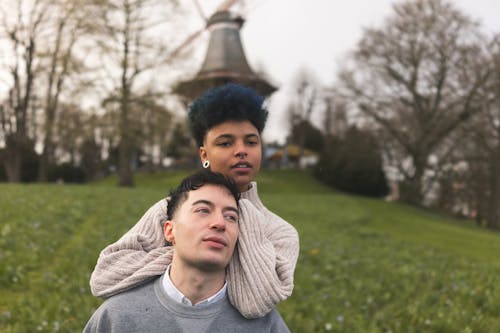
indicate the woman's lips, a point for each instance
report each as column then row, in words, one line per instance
column 242, row 166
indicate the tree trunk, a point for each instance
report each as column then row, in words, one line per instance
column 411, row 189
column 492, row 219
column 125, row 176
column 16, row 145
column 13, row 164
column 46, row 157
column 45, row 160
column 43, row 167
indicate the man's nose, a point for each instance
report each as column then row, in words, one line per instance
column 218, row 222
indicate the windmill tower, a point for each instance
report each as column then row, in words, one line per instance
column 225, row 59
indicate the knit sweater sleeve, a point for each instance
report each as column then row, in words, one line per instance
column 136, row 257
column 260, row 274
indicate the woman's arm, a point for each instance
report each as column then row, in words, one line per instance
column 260, row 274
column 137, row 256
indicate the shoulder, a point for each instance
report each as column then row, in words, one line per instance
column 129, row 304
column 123, row 312
column 255, row 208
column 131, row 300
column 230, row 320
column 275, row 322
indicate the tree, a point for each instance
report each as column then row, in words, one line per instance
column 481, row 148
column 306, row 136
column 353, row 163
column 70, row 23
column 419, row 77
column 22, row 25
column 128, row 47
column 181, row 144
column 152, row 125
column 42, row 35
column 335, row 120
column 72, row 128
column 306, row 98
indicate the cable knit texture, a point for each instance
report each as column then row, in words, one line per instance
column 260, row 273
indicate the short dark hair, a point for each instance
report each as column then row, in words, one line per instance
column 193, row 182
column 228, row 102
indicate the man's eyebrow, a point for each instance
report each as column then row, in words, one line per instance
column 211, row 204
column 202, row 201
column 232, row 209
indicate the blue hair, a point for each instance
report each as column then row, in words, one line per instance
column 225, row 103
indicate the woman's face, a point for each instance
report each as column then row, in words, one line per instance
column 233, row 148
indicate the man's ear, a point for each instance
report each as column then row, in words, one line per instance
column 168, row 231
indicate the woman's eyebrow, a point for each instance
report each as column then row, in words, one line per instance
column 225, row 136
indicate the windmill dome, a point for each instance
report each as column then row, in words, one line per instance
column 225, row 60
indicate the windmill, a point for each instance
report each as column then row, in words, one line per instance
column 225, row 60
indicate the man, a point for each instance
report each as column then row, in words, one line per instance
column 191, row 295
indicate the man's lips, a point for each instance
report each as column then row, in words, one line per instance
column 214, row 240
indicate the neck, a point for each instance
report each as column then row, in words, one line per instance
column 244, row 188
column 194, row 283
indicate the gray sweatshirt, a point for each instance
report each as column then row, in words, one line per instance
column 149, row 309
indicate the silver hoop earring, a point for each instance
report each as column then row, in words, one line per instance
column 206, row 164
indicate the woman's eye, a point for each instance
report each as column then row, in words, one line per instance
column 224, row 144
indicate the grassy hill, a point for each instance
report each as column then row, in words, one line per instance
column 365, row 265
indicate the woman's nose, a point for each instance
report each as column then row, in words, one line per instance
column 241, row 151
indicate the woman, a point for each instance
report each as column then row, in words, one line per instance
column 227, row 123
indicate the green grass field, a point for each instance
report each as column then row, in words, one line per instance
column 365, row 265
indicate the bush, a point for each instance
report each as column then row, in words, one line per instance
column 353, row 164
column 29, row 168
column 3, row 176
column 312, row 136
column 67, row 173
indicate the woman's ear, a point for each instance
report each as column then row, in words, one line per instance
column 203, row 154
column 168, row 231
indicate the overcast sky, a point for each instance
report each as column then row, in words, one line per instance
column 282, row 36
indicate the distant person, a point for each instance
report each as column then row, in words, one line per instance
column 190, row 296
column 227, row 123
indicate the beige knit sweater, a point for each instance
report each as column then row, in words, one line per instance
column 260, row 273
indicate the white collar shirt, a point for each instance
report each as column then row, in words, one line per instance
column 179, row 297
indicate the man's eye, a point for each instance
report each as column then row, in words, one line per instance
column 203, row 210
column 253, row 143
column 232, row 218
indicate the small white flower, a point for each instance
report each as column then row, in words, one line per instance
column 328, row 326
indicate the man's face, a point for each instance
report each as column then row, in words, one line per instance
column 204, row 228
